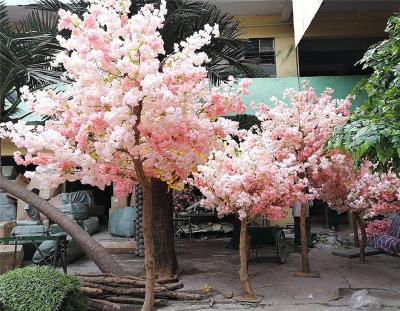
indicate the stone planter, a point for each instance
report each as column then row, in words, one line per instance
column 7, row 257
column 6, row 228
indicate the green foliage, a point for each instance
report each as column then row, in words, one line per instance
column 376, row 140
column 383, row 86
column 41, row 289
column 373, row 131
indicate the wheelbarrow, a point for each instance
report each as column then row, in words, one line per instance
column 267, row 237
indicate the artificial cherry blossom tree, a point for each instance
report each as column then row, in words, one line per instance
column 372, row 194
column 127, row 117
column 245, row 179
column 364, row 192
column 333, row 179
column 300, row 129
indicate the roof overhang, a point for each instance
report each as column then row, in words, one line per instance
column 303, row 14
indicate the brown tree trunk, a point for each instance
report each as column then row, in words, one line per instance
column 244, row 248
column 104, row 261
column 148, row 244
column 355, row 229
column 147, row 226
column 303, row 239
column 166, row 264
column 363, row 241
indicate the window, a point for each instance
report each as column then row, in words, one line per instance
column 262, row 52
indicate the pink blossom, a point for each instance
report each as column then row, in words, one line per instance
column 123, row 104
column 66, row 20
column 245, row 179
column 122, row 187
column 297, row 130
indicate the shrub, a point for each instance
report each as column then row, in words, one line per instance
column 40, row 289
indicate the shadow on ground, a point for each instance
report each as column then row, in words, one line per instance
column 210, row 262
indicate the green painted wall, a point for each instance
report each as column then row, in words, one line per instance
column 262, row 89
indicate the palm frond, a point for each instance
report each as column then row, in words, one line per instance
column 26, row 52
column 39, row 21
column 226, row 52
column 4, row 22
column 75, row 6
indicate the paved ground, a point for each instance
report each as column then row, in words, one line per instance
column 209, row 262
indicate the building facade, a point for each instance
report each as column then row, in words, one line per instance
column 338, row 35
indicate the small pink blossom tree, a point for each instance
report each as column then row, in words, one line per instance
column 373, row 193
column 363, row 192
column 245, row 179
column 126, row 117
column 333, row 178
column 300, row 129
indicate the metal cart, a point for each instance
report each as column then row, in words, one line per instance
column 267, row 237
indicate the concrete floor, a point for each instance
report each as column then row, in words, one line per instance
column 209, row 262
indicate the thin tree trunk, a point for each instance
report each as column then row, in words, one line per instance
column 147, row 226
column 166, row 264
column 355, row 230
column 244, row 248
column 148, row 246
column 303, row 239
column 97, row 253
column 363, row 241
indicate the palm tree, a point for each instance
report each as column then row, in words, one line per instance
column 26, row 51
column 184, row 17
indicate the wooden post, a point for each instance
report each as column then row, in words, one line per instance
column 244, row 261
column 355, row 229
column 363, row 241
column 306, row 272
column 305, row 263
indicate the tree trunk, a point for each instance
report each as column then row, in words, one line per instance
column 363, row 241
column 104, row 261
column 148, row 244
column 303, row 239
column 244, row 248
column 166, row 264
column 355, row 230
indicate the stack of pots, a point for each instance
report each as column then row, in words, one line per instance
column 138, row 222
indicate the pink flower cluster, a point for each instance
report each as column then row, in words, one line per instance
column 299, row 130
column 125, row 104
column 245, row 179
column 375, row 193
column 377, row 227
column 333, row 178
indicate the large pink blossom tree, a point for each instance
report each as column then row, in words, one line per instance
column 127, row 117
column 300, row 129
column 245, row 179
